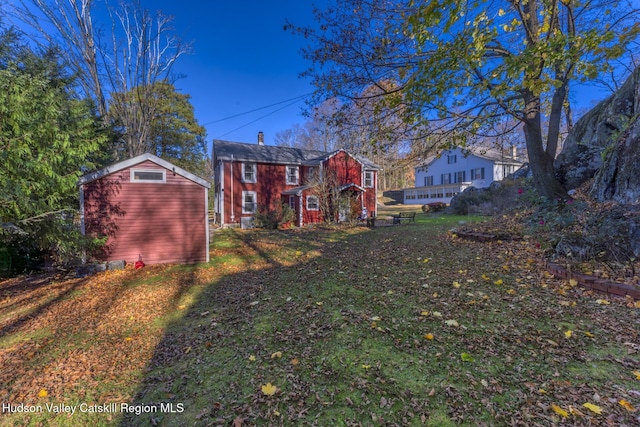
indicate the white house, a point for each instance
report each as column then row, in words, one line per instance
column 451, row 171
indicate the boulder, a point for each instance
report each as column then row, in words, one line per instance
column 605, row 145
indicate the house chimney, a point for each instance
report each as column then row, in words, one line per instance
column 260, row 138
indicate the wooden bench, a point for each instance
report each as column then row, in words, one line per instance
column 404, row 216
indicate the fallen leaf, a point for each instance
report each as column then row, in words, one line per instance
column 485, row 277
column 602, row 302
column 424, row 313
column 277, row 354
column 428, row 336
column 466, row 357
column 269, row 389
column 573, row 282
column 637, row 374
column 252, row 358
column 295, row 362
column 452, row 322
column 498, row 282
column 589, row 334
column 456, row 284
column 383, row 402
column 558, row 410
column 375, row 318
column 626, row 405
column 365, row 367
column 43, row 393
column 593, row 408
column 568, row 334
column 437, row 314
column 511, row 292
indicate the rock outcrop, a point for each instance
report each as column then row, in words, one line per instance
column 605, row 145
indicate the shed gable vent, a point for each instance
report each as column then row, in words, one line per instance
column 148, row 175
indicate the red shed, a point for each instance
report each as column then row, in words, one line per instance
column 147, row 207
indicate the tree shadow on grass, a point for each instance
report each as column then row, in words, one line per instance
column 197, row 373
column 67, row 336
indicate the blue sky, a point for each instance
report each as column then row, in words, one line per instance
column 243, row 60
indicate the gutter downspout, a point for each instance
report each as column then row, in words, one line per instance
column 233, row 210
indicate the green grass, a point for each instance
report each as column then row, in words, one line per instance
column 335, row 319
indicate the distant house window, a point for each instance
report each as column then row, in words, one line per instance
column 292, row 175
column 477, row 173
column 368, row 179
column 148, row 175
column 292, row 202
column 452, row 158
column 249, row 200
column 313, row 203
column 249, row 172
column 445, row 178
column 428, row 181
column 460, row 176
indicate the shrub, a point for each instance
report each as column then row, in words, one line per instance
column 274, row 216
column 434, row 207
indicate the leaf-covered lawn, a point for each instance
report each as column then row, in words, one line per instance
column 399, row 325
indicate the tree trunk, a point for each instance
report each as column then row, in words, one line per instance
column 540, row 162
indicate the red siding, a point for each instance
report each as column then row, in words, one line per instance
column 162, row 222
column 269, row 185
column 348, row 169
column 271, row 182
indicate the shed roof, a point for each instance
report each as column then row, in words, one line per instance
column 139, row 159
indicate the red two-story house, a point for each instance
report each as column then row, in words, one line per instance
column 250, row 175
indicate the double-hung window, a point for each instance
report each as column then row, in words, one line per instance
column 249, row 202
column 445, row 178
column 313, row 204
column 312, row 174
column 477, row 173
column 460, row 176
column 368, row 179
column 452, row 158
column 428, row 181
column 292, row 175
column 249, row 172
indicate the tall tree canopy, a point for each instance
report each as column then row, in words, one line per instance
column 173, row 132
column 136, row 53
column 48, row 136
column 459, row 65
